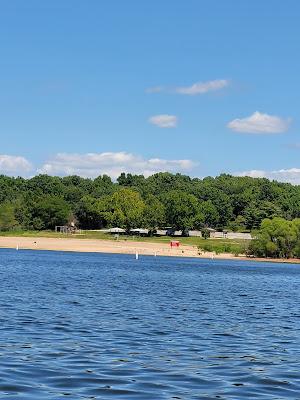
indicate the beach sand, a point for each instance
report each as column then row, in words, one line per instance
column 119, row 247
column 102, row 246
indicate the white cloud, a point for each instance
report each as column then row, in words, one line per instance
column 203, row 87
column 112, row 164
column 164, row 121
column 194, row 89
column 14, row 165
column 291, row 175
column 260, row 123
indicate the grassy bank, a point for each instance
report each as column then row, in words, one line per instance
column 232, row 246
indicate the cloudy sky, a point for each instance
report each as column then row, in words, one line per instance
column 199, row 86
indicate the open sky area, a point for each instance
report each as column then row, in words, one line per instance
column 200, row 87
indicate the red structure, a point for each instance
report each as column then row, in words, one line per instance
column 174, row 243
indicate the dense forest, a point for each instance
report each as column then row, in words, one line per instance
column 163, row 199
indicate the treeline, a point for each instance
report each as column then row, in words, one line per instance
column 277, row 238
column 163, row 199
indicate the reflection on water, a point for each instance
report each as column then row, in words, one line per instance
column 92, row 326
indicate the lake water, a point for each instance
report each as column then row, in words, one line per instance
column 97, row 326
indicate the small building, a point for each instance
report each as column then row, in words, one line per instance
column 195, row 233
column 67, row 229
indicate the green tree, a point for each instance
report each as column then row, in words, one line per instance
column 257, row 212
column 224, row 200
column 205, row 233
column 103, row 186
column 154, row 213
column 296, row 224
column 276, row 238
column 93, row 213
column 22, row 212
column 210, row 213
column 50, row 211
column 45, row 184
column 7, row 217
column 238, row 224
column 181, row 209
column 125, row 209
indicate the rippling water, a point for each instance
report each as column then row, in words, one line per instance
column 95, row 326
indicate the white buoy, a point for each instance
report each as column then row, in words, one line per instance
column 136, row 255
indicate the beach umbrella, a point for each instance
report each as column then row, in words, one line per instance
column 117, row 230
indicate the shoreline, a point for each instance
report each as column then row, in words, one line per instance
column 122, row 247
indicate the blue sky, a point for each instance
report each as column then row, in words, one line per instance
column 87, row 87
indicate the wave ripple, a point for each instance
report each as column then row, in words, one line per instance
column 96, row 326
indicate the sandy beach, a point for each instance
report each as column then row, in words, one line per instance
column 101, row 246
column 120, row 247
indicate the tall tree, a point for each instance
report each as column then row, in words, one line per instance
column 126, row 209
column 7, row 217
column 50, row 211
column 154, row 213
column 181, row 209
column 276, row 238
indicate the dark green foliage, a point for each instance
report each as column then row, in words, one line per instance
column 210, row 213
column 163, row 199
column 205, row 233
column 88, row 213
column 7, row 217
column 181, row 209
column 277, row 238
column 49, row 211
column 154, row 213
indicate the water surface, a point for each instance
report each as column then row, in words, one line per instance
column 96, row 326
